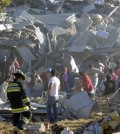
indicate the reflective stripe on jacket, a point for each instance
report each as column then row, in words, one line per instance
column 17, row 97
column 20, row 110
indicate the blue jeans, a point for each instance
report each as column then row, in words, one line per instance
column 99, row 86
column 52, row 108
column 95, row 84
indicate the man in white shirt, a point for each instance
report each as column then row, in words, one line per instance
column 93, row 74
column 53, row 88
column 100, row 65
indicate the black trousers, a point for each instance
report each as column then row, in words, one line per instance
column 21, row 119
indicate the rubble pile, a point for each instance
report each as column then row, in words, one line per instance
column 105, row 125
column 57, row 33
column 77, row 28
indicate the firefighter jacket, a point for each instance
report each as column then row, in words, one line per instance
column 17, row 97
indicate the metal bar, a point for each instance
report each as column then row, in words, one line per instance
column 114, row 94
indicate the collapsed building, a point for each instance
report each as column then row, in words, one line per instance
column 61, row 33
column 83, row 35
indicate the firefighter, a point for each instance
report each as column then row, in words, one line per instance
column 19, row 102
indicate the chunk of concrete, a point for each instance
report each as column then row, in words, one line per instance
column 2, row 119
column 102, row 34
column 37, row 128
column 5, row 27
column 89, row 8
column 69, row 62
column 80, row 105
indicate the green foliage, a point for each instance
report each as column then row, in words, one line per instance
column 4, row 3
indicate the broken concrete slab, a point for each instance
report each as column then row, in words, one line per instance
column 26, row 54
column 118, row 41
column 76, row 49
column 72, row 38
column 69, row 62
column 37, row 128
column 2, row 119
column 112, row 38
column 5, row 27
column 60, row 31
column 53, row 19
column 41, row 37
column 83, row 23
column 89, row 8
column 86, row 39
column 80, row 105
column 102, row 34
column 26, row 16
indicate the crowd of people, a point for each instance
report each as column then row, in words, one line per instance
column 98, row 79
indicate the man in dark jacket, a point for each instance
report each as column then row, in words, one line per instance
column 19, row 102
column 109, row 86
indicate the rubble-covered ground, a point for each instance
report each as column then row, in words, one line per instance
column 74, row 125
column 62, row 33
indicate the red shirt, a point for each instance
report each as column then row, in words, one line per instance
column 87, row 83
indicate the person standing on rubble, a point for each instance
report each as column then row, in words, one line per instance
column 12, row 68
column 86, row 84
column 3, row 88
column 67, row 80
column 16, row 63
column 19, row 102
column 4, row 70
column 34, row 79
column 107, row 67
column 100, row 65
column 109, row 85
column 93, row 74
column 53, row 88
column 117, row 68
column 112, row 74
column 101, row 76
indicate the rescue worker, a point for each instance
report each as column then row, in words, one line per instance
column 19, row 102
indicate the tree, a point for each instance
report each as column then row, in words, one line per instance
column 4, row 3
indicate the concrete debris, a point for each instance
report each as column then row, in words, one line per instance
column 80, row 105
column 5, row 27
column 57, row 129
column 3, row 91
column 25, row 16
column 84, row 40
column 103, row 126
column 26, row 54
column 69, row 62
column 53, row 19
column 5, row 106
column 67, row 131
column 83, row 23
column 60, row 30
column 89, row 8
column 102, row 34
column 58, row 34
column 37, row 128
column 79, row 25
column 2, row 119
column 112, row 38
